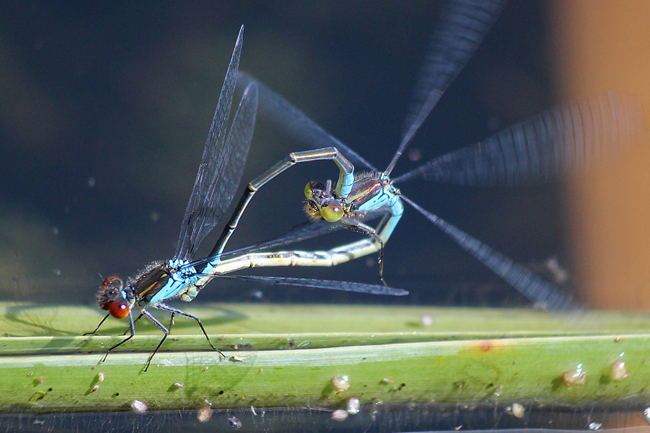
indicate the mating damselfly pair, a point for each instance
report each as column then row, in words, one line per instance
column 538, row 149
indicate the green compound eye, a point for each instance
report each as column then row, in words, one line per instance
column 309, row 191
column 332, row 213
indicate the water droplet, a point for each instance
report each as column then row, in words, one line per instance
column 618, row 370
column 574, row 377
column 354, row 406
column 204, row 414
column 139, row 407
column 234, row 422
column 518, row 410
column 340, row 383
column 595, row 426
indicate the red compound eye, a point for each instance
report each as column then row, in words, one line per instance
column 118, row 309
column 112, row 283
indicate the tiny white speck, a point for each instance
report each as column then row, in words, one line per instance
column 234, row 422
column 339, row 415
column 354, row 406
column 595, row 426
column 518, row 410
column 139, row 407
column 204, row 414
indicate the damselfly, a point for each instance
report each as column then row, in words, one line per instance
column 220, row 172
column 567, row 138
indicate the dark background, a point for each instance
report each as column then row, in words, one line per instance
column 104, row 110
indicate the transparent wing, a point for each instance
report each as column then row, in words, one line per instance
column 308, row 230
column 296, row 124
column 526, row 282
column 565, row 139
column 302, row 232
column 222, row 164
column 459, row 32
column 373, row 289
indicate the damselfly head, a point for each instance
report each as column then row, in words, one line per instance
column 111, row 298
column 315, row 188
column 321, row 203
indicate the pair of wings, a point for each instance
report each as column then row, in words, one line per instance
column 568, row 138
column 460, row 31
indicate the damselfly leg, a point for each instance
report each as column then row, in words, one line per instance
column 216, row 182
column 569, row 138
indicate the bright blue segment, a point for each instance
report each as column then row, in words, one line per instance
column 396, row 209
column 177, row 281
column 389, row 196
column 346, row 186
column 211, row 265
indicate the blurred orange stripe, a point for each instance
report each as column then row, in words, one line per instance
column 599, row 45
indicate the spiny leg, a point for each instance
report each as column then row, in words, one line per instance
column 98, row 326
column 162, row 328
column 359, row 227
column 165, row 307
column 134, row 322
column 131, row 328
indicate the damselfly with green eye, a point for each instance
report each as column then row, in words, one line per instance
column 567, row 138
column 220, row 172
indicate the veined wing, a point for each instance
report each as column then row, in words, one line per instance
column 346, row 286
column 222, row 164
column 459, row 32
column 565, row 139
column 238, row 143
column 308, row 230
column 302, row 232
column 297, row 124
column 526, row 282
